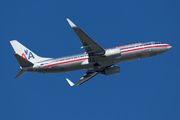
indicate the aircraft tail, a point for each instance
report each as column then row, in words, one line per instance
column 25, row 57
column 24, row 52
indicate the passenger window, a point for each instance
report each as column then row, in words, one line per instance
column 148, row 44
column 131, row 47
column 140, row 45
column 122, row 48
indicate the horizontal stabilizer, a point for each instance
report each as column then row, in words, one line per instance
column 20, row 73
column 22, row 61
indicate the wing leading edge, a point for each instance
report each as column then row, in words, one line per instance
column 91, row 47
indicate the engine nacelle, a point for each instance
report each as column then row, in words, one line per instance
column 112, row 70
column 112, row 53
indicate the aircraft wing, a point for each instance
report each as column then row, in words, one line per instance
column 91, row 47
column 89, row 75
column 84, row 79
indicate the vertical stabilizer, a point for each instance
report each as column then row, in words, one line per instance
column 21, row 50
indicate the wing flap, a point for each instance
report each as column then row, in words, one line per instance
column 84, row 79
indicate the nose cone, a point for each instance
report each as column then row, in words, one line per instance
column 161, row 49
column 169, row 47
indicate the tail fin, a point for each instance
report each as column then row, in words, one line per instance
column 21, row 50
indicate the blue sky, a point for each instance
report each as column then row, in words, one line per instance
column 145, row 89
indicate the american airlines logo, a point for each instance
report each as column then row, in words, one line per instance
column 27, row 55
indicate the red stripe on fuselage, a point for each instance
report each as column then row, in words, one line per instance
column 65, row 62
column 123, row 51
column 162, row 46
column 144, row 47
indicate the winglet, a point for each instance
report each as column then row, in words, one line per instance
column 71, row 23
column 70, row 83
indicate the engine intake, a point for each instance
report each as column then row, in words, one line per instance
column 112, row 53
column 112, row 70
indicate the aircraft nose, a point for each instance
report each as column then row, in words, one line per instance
column 169, row 47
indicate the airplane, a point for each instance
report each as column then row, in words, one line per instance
column 95, row 60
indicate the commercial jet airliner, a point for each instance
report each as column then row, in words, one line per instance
column 95, row 60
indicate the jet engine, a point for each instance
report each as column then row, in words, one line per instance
column 112, row 53
column 112, row 70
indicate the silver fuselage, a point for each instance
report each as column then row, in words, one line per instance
column 95, row 60
column 81, row 61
